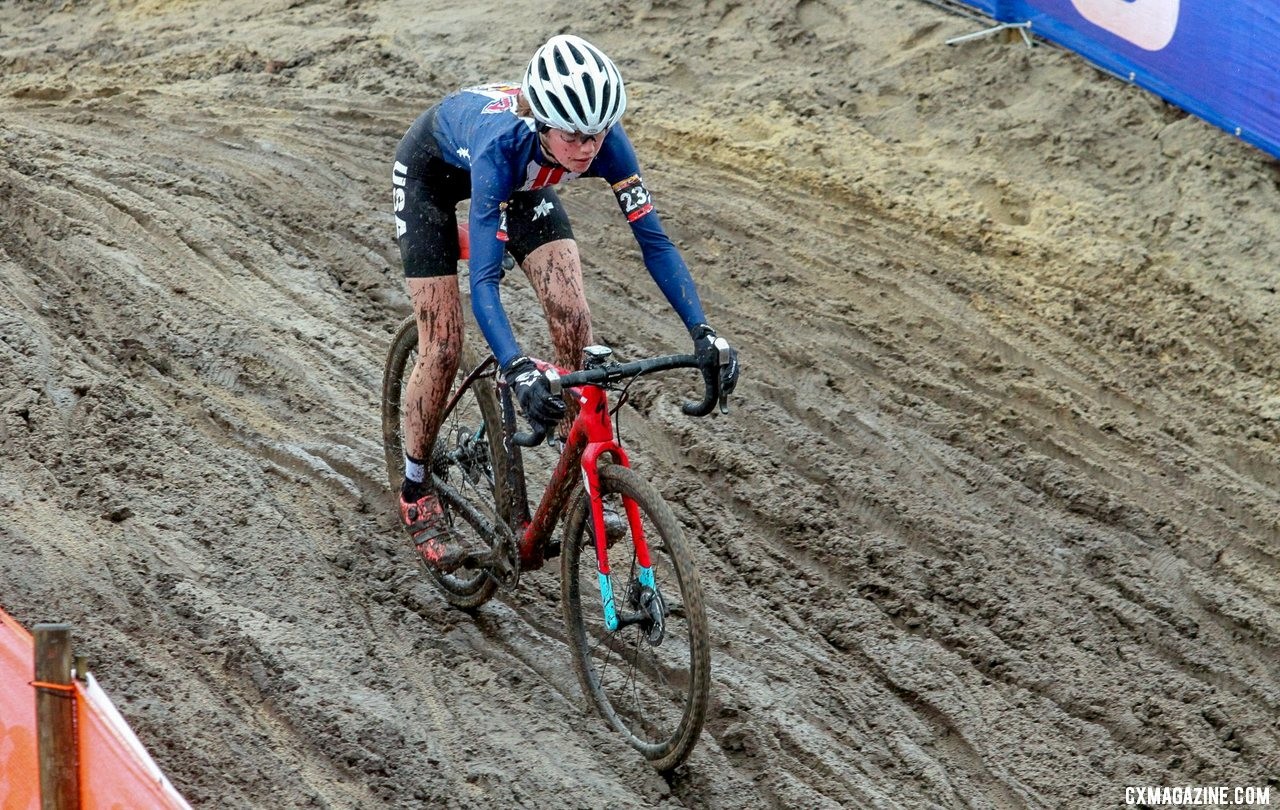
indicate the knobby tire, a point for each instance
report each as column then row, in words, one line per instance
column 470, row 505
column 655, row 696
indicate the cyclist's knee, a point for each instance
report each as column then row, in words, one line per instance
column 441, row 351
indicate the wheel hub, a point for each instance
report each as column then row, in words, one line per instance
column 652, row 609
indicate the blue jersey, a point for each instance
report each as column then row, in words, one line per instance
column 477, row 129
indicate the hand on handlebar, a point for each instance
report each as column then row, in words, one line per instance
column 710, row 358
column 542, row 408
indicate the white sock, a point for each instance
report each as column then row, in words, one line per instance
column 414, row 470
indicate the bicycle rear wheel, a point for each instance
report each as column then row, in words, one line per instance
column 466, row 464
column 649, row 681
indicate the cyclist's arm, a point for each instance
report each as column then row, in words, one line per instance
column 668, row 269
column 618, row 165
column 490, row 186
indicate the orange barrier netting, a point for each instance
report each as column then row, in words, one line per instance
column 115, row 770
column 19, row 768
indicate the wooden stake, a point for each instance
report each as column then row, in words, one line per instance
column 56, row 719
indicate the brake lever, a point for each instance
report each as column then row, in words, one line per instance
column 726, row 357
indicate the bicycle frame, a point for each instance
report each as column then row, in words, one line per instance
column 590, row 439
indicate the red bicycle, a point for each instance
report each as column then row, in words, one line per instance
column 641, row 651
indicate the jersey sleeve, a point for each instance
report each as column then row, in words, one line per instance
column 618, row 165
column 490, row 188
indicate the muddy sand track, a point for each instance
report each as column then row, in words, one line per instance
column 996, row 522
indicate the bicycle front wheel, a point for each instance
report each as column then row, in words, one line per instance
column 466, row 463
column 650, row 677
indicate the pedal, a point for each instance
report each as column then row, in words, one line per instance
column 502, row 563
column 495, row 563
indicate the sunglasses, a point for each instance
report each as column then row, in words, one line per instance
column 574, row 137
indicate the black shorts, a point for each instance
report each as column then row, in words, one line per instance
column 431, row 192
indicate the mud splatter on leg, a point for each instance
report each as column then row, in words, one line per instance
column 555, row 271
column 438, row 310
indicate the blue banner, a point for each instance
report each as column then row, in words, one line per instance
column 1219, row 60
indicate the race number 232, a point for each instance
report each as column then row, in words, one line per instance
column 1149, row 24
column 633, row 198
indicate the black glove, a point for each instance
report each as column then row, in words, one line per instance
column 533, row 392
column 704, row 338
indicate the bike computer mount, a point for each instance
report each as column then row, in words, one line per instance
column 596, row 356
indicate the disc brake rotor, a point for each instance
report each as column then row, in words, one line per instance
column 649, row 602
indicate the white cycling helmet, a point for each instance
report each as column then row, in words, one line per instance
column 572, row 85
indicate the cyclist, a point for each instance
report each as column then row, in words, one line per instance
column 505, row 147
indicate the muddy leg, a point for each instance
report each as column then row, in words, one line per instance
column 438, row 310
column 555, row 271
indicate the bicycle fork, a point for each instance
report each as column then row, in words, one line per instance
column 647, row 607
